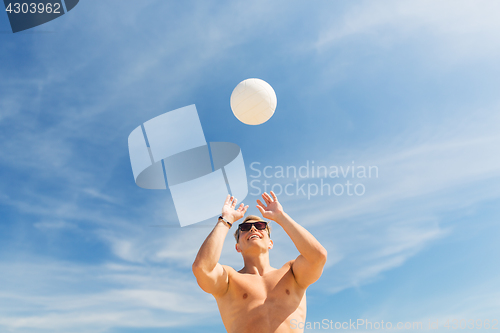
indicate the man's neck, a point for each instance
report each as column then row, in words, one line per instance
column 256, row 264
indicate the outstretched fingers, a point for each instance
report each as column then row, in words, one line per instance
column 243, row 209
column 267, row 198
column 275, row 198
column 261, row 204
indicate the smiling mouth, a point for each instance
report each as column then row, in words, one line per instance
column 253, row 237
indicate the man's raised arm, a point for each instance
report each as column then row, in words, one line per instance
column 211, row 276
column 308, row 266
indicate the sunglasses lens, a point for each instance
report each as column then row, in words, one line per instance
column 245, row 226
column 260, row 225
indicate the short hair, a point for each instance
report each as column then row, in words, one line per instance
column 252, row 218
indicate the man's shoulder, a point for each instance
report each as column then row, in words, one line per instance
column 229, row 270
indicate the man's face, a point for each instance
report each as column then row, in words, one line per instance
column 254, row 238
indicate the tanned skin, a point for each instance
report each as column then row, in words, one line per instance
column 259, row 298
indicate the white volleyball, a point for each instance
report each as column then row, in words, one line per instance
column 253, row 101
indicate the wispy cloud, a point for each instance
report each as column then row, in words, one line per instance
column 82, row 299
column 469, row 28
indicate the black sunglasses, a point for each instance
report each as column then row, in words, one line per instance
column 261, row 225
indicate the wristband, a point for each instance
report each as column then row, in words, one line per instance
column 226, row 221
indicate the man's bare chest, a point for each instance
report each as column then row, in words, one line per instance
column 277, row 287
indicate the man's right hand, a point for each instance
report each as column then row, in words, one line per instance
column 230, row 213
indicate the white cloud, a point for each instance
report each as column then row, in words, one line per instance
column 469, row 28
column 64, row 297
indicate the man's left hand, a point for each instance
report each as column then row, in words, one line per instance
column 272, row 210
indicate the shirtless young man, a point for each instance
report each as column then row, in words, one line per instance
column 259, row 298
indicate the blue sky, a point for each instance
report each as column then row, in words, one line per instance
column 410, row 87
